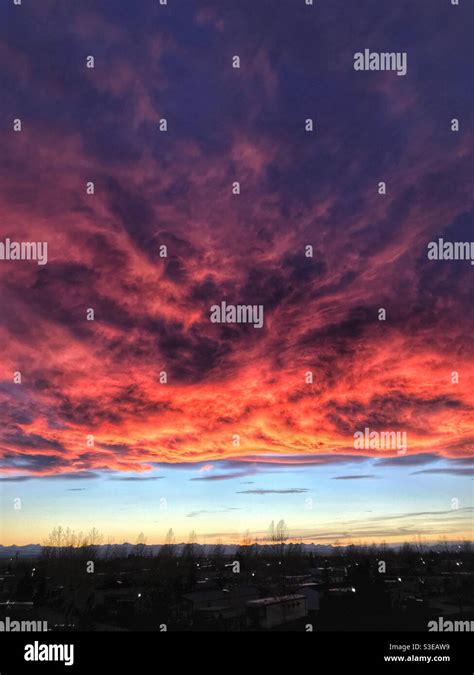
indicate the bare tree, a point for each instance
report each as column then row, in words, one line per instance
column 218, row 550
column 278, row 535
column 282, row 535
column 169, row 547
column 246, row 540
column 141, row 543
column 66, row 542
column 95, row 537
column 189, row 550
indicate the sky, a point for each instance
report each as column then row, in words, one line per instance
column 150, row 416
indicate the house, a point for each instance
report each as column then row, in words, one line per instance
column 332, row 575
column 312, row 593
column 270, row 612
column 210, row 605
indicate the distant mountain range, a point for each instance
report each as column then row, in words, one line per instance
column 126, row 548
column 22, row 551
column 115, row 550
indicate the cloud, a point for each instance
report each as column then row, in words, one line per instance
column 276, row 461
column 222, row 476
column 36, row 464
column 137, row 478
column 409, row 460
column 420, row 514
column 79, row 475
column 360, row 477
column 193, row 514
column 206, row 467
column 463, row 460
column 292, row 491
column 448, row 472
column 174, row 189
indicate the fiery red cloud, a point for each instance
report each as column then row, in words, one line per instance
column 174, row 189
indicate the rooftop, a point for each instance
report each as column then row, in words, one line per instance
column 263, row 602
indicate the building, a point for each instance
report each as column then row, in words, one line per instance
column 312, row 593
column 331, row 575
column 270, row 612
column 204, row 606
